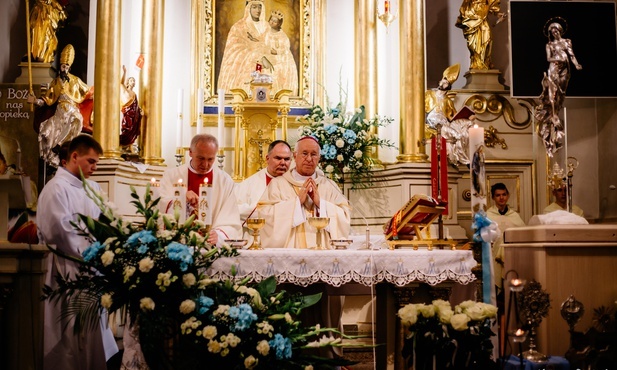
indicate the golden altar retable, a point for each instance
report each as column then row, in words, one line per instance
column 257, row 116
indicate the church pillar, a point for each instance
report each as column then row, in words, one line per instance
column 365, row 64
column 106, row 128
column 151, row 79
column 366, row 56
column 412, row 148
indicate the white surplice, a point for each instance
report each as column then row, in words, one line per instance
column 62, row 198
column 225, row 215
column 286, row 219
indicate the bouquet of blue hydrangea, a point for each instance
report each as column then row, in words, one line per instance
column 154, row 270
column 347, row 140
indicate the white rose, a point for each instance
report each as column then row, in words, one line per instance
column 345, row 169
column 250, row 362
column 189, row 280
column 187, row 306
column 106, row 300
column 408, row 314
column 340, row 143
column 459, row 321
column 329, row 168
column 146, row 304
column 107, row 258
column 209, row 332
column 357, row 154
column 340, row 157
column 263, row 347
column 146, row 264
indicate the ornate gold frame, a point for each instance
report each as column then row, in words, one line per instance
column 203, row 42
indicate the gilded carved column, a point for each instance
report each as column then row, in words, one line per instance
column 107, row 78
column 151, row 79
column 365, row 63
column 412, row 81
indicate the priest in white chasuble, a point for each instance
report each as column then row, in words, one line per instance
column 249, row 191
column 299, row 194
column 225, row 215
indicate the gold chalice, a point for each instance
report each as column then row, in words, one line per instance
column 255, row 224
column 319, row 223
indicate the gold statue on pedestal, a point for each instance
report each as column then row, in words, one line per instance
column 46, row 17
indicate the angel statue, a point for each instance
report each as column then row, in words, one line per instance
column 559, row 54
column 473, row 20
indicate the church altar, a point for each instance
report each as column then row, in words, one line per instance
column 396, row 276
column 303, row 267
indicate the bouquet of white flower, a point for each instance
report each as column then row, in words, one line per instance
column 185, row 320
column 440, row 337
column 346, row 139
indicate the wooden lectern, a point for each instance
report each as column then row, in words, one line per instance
column 11, row 196
column 406, row 226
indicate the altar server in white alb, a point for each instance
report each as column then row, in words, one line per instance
column 301, row 193
column 506, row 218
column 61, row 200
column 225, row 215
column 249, row 191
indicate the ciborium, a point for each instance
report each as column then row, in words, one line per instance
column 319, row 223
column 255, row 224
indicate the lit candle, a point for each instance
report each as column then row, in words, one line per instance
column 516, row 285
column 477, row 169
column 154, row 189
column 205, row 197
column 386, row 6
column 518, row 336
column 179, row 202
column 221, row 122
column 200, row 109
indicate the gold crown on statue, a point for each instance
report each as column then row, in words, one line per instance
column 451, row 73
column 276, row 13
column 68, row 55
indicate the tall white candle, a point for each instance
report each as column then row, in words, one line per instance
column 221, row 121
column 204, row 202
column 179, row 123
column 477, row 169
column 200, row 109
column 179, row 202
column 155, row 189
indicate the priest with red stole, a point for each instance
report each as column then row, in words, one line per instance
column 298, row 194
column 225, row 215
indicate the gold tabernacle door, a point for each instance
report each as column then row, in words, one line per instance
column 406, row 226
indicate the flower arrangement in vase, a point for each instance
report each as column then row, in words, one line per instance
column 441, row 337
column 154, row 270
column 346, row 140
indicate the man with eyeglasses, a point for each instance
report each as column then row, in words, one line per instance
column 301, row 193
column 249, row 191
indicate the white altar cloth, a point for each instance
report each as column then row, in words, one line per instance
column 337, row 267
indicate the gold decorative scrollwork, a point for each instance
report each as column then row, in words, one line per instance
column 491, row 138
column 499, row 106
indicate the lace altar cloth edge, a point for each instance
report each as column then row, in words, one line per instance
column 337, row 267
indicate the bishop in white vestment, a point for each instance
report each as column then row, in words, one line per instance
column 301, row 193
